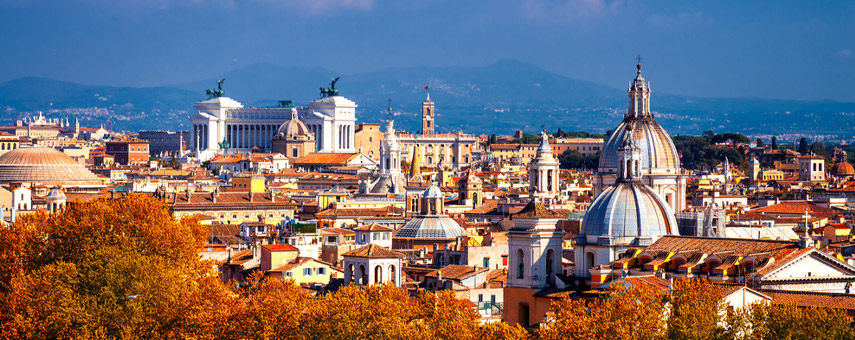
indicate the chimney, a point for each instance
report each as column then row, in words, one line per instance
column 250, row 195
column 229, row 259
column 12, row 218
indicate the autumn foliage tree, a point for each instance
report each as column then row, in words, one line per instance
column 626, row 312
column 125, row 269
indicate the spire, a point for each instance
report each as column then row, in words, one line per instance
column 639, row 96
column 415, row 165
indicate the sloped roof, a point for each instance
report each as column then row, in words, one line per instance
column 373, row 251
column 326, row 158
column 372, row 227
column 279, row 247
column 457, row 271
column 534, row 210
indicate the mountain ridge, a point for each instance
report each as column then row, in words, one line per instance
column 495, row 98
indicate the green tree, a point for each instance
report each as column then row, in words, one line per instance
column 774, row 143
column 759, row 142
column 803, row 146
column 819, row 149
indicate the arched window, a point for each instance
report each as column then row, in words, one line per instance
column 378, row 274
column 520, row 264
column 549, row 180
column 392, row 273
column 363, row 275
column 350, row 272
column 589, row 260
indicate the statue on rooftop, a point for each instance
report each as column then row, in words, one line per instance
column 218, row 92
column 330, row 91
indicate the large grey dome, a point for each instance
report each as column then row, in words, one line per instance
column 630, row 213
column 658, row 154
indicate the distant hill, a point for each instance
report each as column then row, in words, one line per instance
column 497, row 98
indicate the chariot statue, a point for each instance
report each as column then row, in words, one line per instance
column 218, row 92
column 330, row 91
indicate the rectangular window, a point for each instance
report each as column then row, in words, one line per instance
column 307, row 271
column 480, row 298
column 288, row 274
column 493, row 299
column 322, row 271
column 486, row 262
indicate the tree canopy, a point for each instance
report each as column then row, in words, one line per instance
column 126, row 269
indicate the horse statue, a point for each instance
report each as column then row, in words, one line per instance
column 330, row 91
column 218, row 92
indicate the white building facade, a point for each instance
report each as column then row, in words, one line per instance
column 219, row 119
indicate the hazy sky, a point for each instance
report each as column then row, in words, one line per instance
column 771, row 49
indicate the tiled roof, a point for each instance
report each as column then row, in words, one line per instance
column 204, row 199
column 488, row 207
column 338, row 231
column 710, row 245
column 241, row 257
column 456, row 272
column 796, row 207
column 373, row 251
column 291, row 264
column 385, row 211
column 279, row 247
column 812, row 299
column 534, row 210
column 326, row 158
column 372, row 227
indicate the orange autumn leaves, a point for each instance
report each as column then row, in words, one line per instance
column 125, row 269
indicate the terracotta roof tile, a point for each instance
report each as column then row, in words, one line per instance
column 372, row 227
column 456, row 271
column 373, row 251
column 536, row 210
column 279, row 247
column 812, row 299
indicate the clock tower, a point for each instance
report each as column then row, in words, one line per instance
column 427, row 117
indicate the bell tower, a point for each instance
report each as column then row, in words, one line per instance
column 427, row 116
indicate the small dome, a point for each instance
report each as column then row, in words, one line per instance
column 432, row 192
column 55, row 195
column 293, row 128
column 544, row 144
column 657, row 149
column 843, row 169
column 631, row 213
column 43, row 165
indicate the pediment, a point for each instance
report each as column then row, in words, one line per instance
column 813, row 263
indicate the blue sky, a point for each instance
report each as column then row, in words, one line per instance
column 782, row 49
